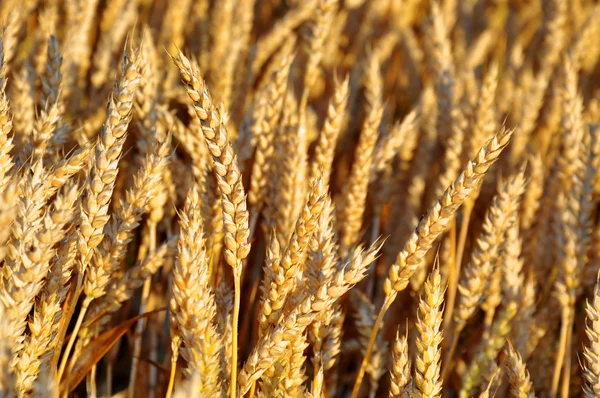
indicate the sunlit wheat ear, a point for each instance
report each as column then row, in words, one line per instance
column 365, row 316
column 48, row 308
column 591, row 352
column 101, row 180
column 193, row 308
column 6, row 140
column 326, row 143
column 100, row 183
column 429, row 320
column 227, row 171
column 430, row 227
column 483, row 257
column 357, row 185
column 436, row 220
column 400, row 373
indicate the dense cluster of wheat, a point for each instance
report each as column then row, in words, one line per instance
column 299, row 198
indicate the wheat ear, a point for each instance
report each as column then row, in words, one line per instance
column 235, row 213
column 518, row 376
column 358, row 181
column 400, row 373
column 39, row 341
column 193, row 307
column 574, row 222
column 6, row 142
column 26, row 263
column 484, row 255
column 365, row 316
column 101, row 179
column 325, row 149
column 430, row 227
column 428, row 380
column 267, row 126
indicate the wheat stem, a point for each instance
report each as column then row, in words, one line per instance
column 65, row 357
column 234, row 338
column 460, row 249
column 363, row 366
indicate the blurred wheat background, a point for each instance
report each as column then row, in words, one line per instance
column 299, row 198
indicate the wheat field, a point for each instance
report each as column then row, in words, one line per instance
column 300, row 198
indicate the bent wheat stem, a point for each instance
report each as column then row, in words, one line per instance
column 174, row 357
